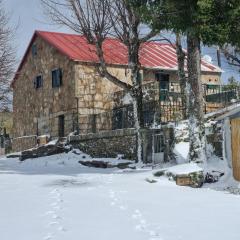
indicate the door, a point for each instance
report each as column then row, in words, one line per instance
column 235, row 127
column 163, row 85
column 158, row 148
column 61, row 126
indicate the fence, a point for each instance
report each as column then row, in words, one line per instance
column 169, row 108
column 220, row 96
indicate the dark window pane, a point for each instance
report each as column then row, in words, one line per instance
column 57, row 78
column 38, row 81
column 34, row 50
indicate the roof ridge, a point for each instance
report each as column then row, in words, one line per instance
column 153, row 42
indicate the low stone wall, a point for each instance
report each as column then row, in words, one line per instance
column 24, row 143
column 107, row 143
column 124, row 141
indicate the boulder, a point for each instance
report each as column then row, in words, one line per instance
column 95, row 164
column 189, row 174
column 42, row 151
column 103, row 164
column 14, row 155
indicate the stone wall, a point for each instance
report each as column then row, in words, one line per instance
column 111, row 143
column 207, row 77
column 24, row 143
column 95, row 95
column 49, row 124
column 31, row 105
column 107, row 143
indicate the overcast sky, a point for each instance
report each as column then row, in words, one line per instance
column 29, row 15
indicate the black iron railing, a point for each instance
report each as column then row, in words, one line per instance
column 171, row 108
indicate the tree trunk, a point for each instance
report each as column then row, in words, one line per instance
column 181, row 74
column 137, row 95
column 195, row 108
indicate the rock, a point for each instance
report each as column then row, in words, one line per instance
column 102, row 164
column 197, row 179
column 151, row 180
column 123, row 165
column 159, row 173
column 193, row 179
column 14, row 155
column 42, row 151
column 95, row 164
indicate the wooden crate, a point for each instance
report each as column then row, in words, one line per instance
column 183, row 180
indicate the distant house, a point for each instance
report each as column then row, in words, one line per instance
column 56, row 89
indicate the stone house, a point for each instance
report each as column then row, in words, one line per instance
column 56, row 89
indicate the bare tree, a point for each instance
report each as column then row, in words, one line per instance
column 181, row 57
column 7, row 58
column 232, row 54
column 97, row 19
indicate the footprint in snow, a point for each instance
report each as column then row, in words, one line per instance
column 48, row 237
column 56, row 217
column 123, row 207
column 53, row 223
column 154, row 235
column 57, row 207
column 59, row 200
column 156, row 238
column 137, row 214
column 56, row 195
column 62, row 229
column 54, row 191
column 54, row 204
column 140, row 227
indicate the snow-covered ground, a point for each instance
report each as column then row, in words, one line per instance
column 56, row 198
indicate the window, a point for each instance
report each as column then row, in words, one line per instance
column 163, row 80
column 140, row 76
column 57, row 78
column 38, row 81
column 34, row 50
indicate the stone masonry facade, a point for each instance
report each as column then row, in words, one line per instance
column 35, row 111
column 84, row 99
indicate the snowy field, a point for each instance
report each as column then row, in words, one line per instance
column 57, row 198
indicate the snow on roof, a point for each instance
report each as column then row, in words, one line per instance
column 153, row 55
column 228, row 111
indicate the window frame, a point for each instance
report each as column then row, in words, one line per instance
column 34, row 50
column 57, row 82
column 38, row 81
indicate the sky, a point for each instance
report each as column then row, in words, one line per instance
column 28, row 16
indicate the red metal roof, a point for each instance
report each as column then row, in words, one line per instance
column 152, row 54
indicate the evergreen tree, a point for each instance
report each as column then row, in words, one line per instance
column 206, row 21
